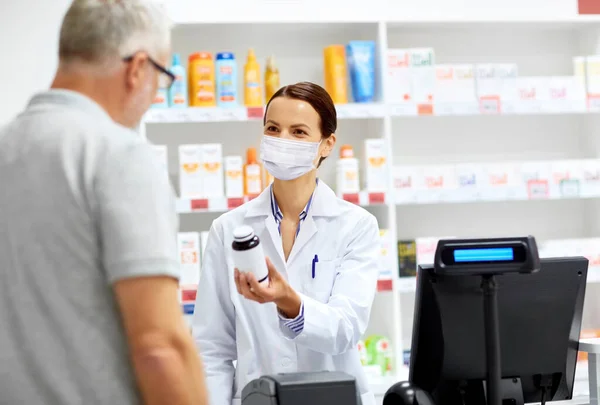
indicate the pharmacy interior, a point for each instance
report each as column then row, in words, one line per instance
column 451, row 124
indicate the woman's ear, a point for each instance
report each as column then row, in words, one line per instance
column 329, row 143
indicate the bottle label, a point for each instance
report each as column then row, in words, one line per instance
column 253, row 179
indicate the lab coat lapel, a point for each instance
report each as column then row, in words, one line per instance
column 324, row 204
column 273, row 231
column 259, row 214
column 308, row 229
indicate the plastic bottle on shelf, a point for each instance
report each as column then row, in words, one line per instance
column 178, row 93
column 202, row 80
column 272, row 83
column 347, row 172
column 252, row 88
column 226, row 80
column 336, row 81
column 253, row 174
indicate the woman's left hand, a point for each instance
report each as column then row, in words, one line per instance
column 277, row 290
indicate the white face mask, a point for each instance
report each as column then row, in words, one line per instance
column 287, row 159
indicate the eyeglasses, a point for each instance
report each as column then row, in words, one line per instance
column 166, row 78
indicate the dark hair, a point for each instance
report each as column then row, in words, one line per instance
column 318, row 98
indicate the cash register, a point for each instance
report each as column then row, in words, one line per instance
column 493, row 324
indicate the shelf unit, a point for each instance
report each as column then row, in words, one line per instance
column 540, row 46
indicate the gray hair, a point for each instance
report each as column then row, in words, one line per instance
column 96, row 31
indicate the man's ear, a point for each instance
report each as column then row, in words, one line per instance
column 136, row 71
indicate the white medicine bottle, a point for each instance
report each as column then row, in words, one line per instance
column 248, row 255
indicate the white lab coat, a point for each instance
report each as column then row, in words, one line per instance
column 337, row 302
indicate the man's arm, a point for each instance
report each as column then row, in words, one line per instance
column 135, row 211
column 162, row 351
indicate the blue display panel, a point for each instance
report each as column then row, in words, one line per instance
column 484, row 255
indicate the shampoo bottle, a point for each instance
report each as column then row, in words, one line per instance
column 361, row 63
column 336, row 82
column 347, row 170
column 252, row 87
column 252, row 174
column 202, row 80
column 271, row 78
column 178, row 94
column 226, row 80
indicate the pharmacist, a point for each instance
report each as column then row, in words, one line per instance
column 322, row 270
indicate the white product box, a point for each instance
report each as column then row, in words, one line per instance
column 234, row 177
column 190, row 171
column 376, row 166
column 535, row 180
column 496, row 87
column 212, row 162
column 579, row 71
column 592, row 79
column 500, row 182
column 531, row 93
column 436, row 183
column 565, row 94
column 347, row 176
column 565, row 179
column 387, row 255
column 590, row 186
column 455, row 92
column 422, row 75
column 188, row 244
column 399, row 78
column 405, row 180
column 469, row 182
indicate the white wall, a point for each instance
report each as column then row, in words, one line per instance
column 29, row 32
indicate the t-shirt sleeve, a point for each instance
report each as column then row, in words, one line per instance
column 135, row 211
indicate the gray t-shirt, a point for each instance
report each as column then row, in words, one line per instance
column 84, row 202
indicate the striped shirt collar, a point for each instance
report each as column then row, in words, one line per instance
column 278, row 215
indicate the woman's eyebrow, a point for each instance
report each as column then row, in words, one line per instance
column 272, row 122
column 300, row 125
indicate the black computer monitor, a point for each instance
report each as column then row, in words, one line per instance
column 540, row 322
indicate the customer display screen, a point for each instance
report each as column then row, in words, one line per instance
column 460, row 255
column 484, row 255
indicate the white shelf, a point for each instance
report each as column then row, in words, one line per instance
column 236, row 114
column 224, row 204
column 362, row 111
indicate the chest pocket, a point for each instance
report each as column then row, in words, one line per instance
column 319, row 287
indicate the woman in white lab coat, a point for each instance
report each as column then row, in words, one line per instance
column 323, row 260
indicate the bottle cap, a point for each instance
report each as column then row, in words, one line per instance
column 346, row 151
column 243, row 233
column 225, row 56
column 200, row 55
column 251, row 55
column 176, row 60
column 251, row 155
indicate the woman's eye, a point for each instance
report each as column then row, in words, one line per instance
column 300, row 132
column 271, row 129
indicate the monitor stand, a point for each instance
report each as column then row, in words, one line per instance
column 492, row 340
column 511, row 391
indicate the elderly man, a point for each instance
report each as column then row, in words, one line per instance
column 89, row 312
